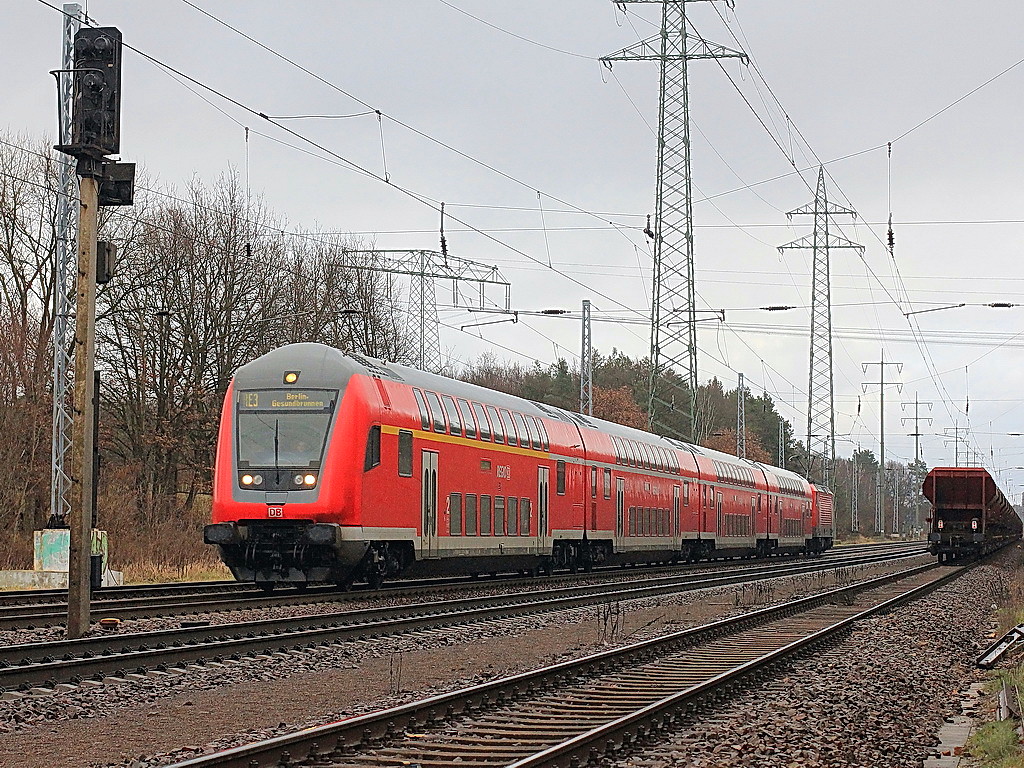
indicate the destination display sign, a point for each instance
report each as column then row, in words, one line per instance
column 287, row 400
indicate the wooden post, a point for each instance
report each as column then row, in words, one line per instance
column 79, row 587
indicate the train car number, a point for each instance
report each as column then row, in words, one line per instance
column 275, row 511
column 504, row 472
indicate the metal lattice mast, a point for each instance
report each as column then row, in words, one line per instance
column 916, row 418
column 821, row 412
column 425, row 267
column 63, row 304
column 586, row 365
column 673, row 302
column 741, row 420
column 855, row 493
column 782, row 443
column 424, row 310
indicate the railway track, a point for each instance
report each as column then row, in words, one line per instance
column 28, row 609
column 589, row 711
column 52, row 662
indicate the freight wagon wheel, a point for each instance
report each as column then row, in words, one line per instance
column 266, row 586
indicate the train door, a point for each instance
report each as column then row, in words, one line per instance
column 543, row 475
column 428, row 496
column 719, row 509
column 620, row 506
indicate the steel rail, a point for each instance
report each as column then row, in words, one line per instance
column 47, row 663
column 23, row 616
column 373, row 731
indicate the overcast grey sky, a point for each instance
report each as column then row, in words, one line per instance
column 850, row 76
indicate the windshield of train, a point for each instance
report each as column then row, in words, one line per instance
column 283, row 427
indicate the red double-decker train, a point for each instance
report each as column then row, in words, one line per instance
column 334, row 468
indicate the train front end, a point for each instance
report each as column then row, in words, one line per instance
column 284, row 500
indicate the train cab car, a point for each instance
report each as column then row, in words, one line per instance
column 822, row 522
column 970, row 516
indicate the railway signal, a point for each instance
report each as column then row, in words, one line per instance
column 95, row 134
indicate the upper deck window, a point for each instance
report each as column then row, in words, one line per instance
column 436, row 413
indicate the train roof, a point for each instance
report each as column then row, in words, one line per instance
column 328, row 363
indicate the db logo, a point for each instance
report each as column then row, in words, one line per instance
column 275, row 511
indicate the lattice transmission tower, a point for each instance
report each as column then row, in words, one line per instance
column 64, row 286
column 821, row 412
column 741, row 419
column 425, row 267
column 586, row 364
column 673, row 301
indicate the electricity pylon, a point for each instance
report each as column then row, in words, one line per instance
column 425, row 267
column 673, row 301
column 821, row 411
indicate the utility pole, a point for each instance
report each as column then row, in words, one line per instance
column 916, row 434
column 916, row 418
column 782, row 443
column 855, row 493
column 95, row 134
column 65, row 257
column 955, row 439
column 741, row 420
column 586, row 365
column 880, row 482
column 821, row 411
column 673, row 344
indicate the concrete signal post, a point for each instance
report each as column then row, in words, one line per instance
column 95, row 135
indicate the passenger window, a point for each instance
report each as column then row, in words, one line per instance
column 499, row 515
column 453, row 414
column 421, row 405
column 496, row 425
column 467, row 418
column 632, row 521
column 524, row 437
column 531, row 428
column 471, row 514
column 372, row 448
column 485, row 515
column 560, row 478
column 481, row 420
column 512, row 516
column 615, row 449
column 607, row 483
column 437, row 413
column 675, row 500
column 593, row 482
column 455, row 514
column 686, row 493
column 404, row 453
column 545, row 444
column 510, row 430
column 524, row 517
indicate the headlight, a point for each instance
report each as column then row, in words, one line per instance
column 298, row 479
column 247, row 479
column 309, row 480
column 257, row 480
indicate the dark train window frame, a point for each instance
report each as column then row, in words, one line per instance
column 525, row 512
column 509, row 426
column 470, row 519
column 531, row 430
column 483, row 424
column 512, row 515
column 454, row 419
column 593, row 481
column 560, row 477
column 499, row 504
column 520, row 424
column 421, row 405
column 485, row 514
column 607, row 483
column 497, row 428
column 372, row 458
column 468, row 420
column 439, row 419
column 454, row 519
column 545, row 443
column 405, row 453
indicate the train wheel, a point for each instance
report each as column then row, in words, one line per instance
column 266, row 586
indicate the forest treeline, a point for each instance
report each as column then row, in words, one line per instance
column 208, row 279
